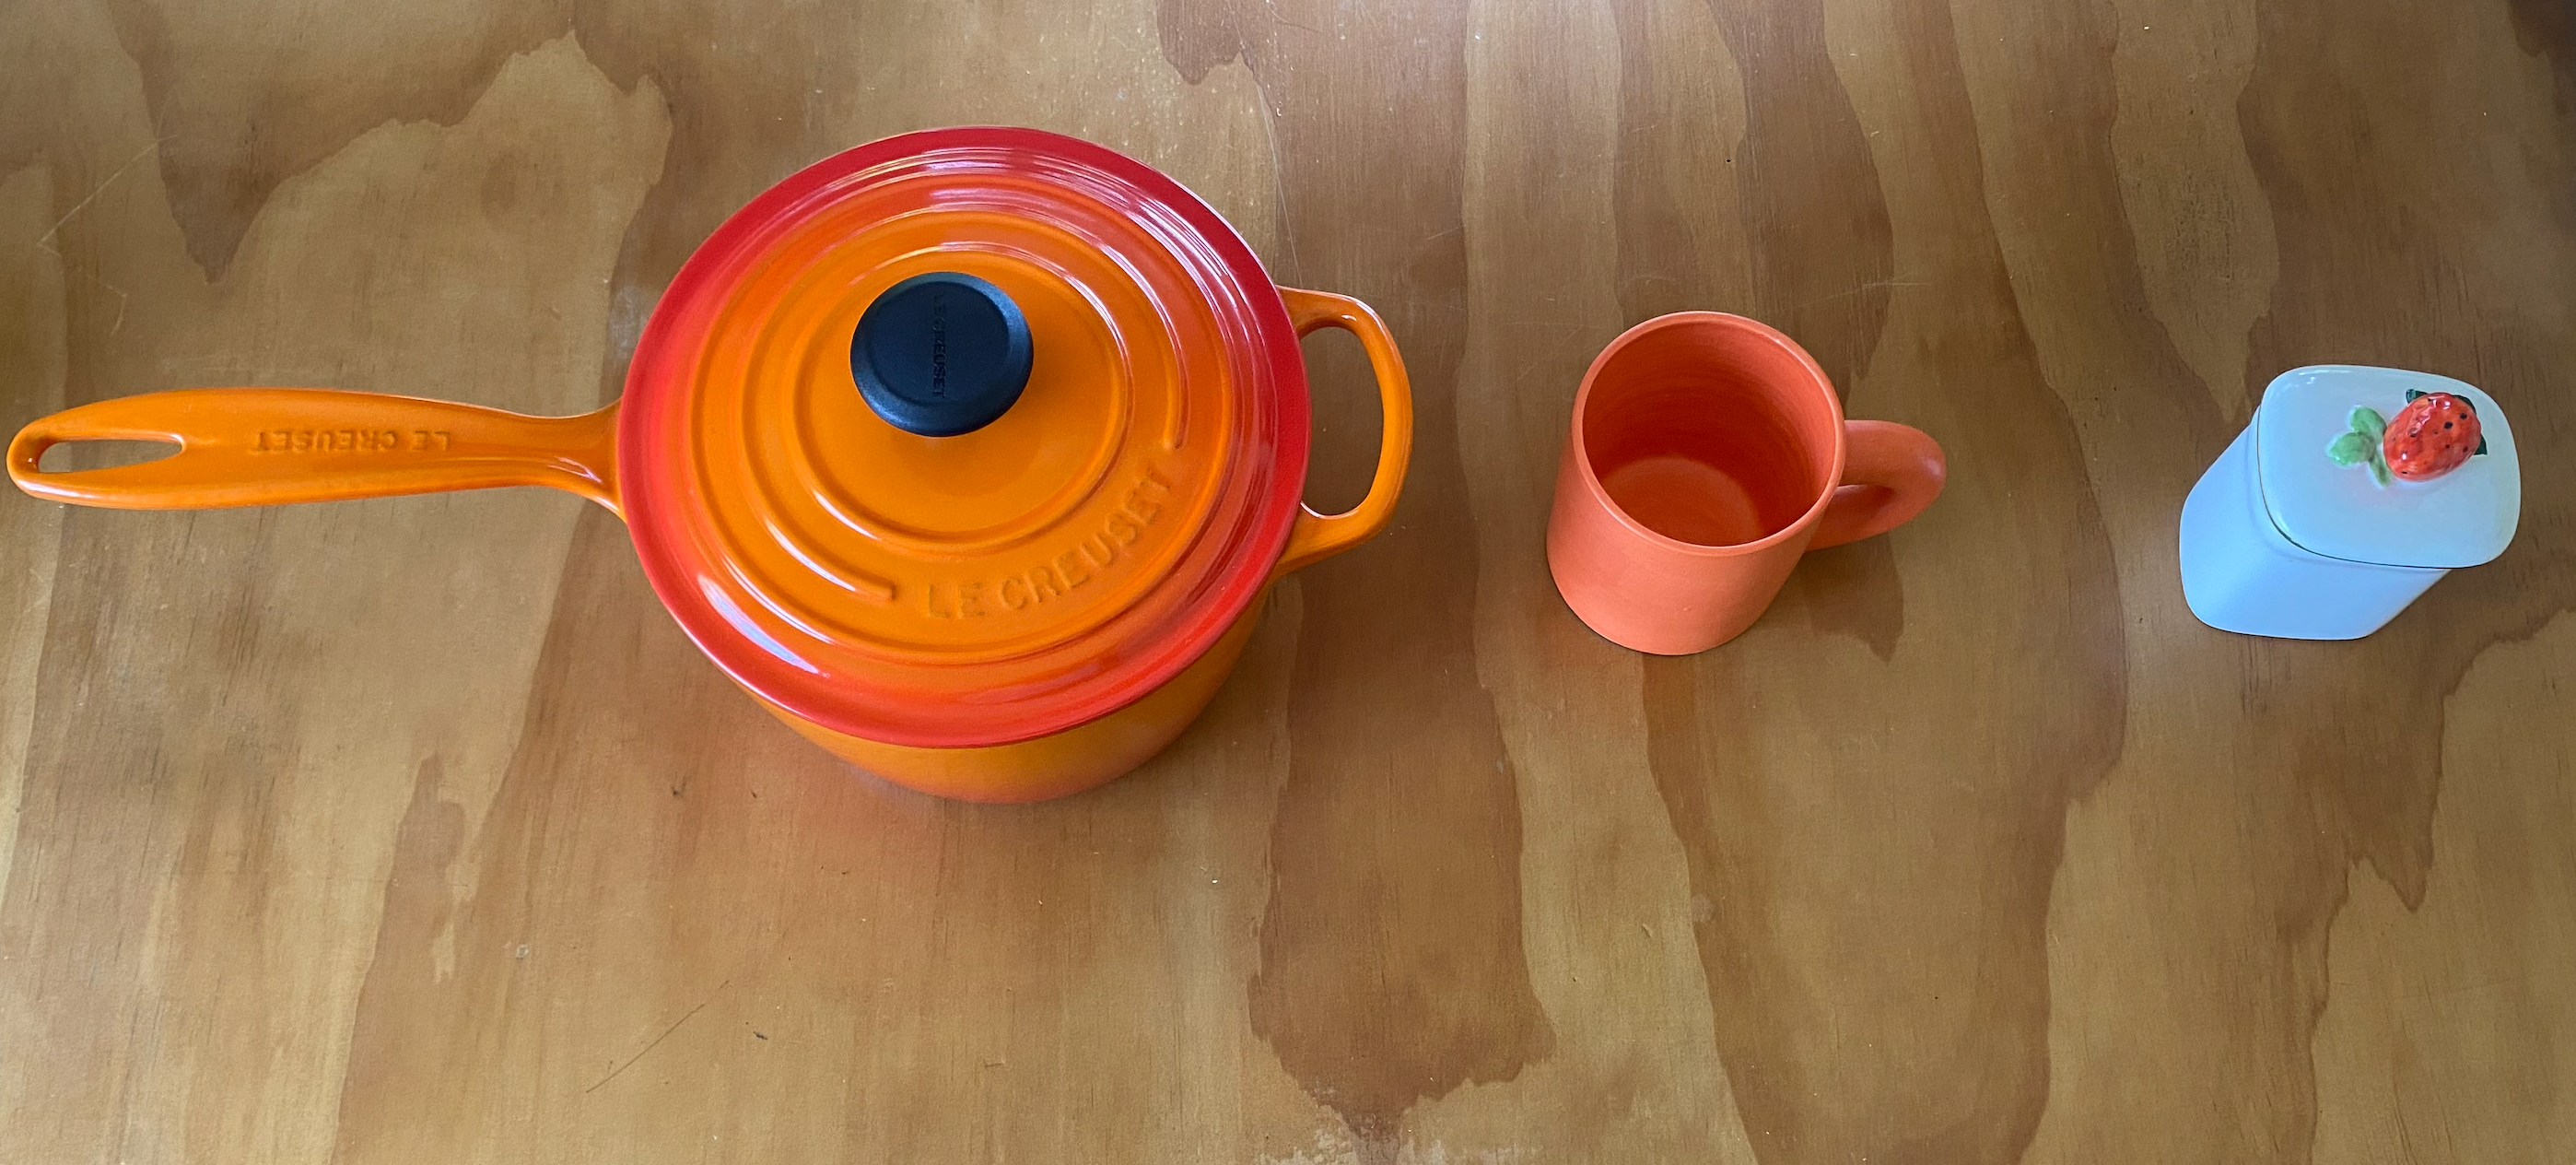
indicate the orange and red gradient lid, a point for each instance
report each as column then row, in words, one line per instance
column 964, row 437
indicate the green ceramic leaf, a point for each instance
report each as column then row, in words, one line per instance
column 2349, row 449
column 2482, row 446
column 2379, row 471
column 2367, row 422
column 2412, row 393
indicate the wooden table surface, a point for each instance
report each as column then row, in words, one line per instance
column 413, row 830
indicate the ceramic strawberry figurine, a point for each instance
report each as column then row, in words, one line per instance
column 2434, row 434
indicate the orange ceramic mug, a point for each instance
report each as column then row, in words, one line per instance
column 1708, row 452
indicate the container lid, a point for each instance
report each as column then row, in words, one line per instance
column 964, row 437
column 2461, row 518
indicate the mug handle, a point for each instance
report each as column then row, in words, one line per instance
column 1320, row 536
column 1890, row 473
column 265, row 446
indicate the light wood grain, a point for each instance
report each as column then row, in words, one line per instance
column 413, row 830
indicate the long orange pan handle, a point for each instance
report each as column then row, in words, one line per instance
column 264, row 446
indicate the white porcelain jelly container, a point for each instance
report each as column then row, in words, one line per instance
column 2300, row 530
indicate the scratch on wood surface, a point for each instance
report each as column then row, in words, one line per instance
column 1272, row 7
column 620, row 1070
column 46, row 240
column 1278, row 167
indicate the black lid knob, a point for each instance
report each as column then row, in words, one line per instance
column 941, row 354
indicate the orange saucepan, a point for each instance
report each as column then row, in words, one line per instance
column 969, row 453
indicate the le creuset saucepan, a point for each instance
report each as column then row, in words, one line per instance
column 969, row 453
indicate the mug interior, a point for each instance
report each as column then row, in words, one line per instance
column 1710, row 432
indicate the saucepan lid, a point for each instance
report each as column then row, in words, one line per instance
column 964, row 437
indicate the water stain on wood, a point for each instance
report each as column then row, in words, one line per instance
column 1805, row 784
column 613, row 680
column 2353, row 283
column 402, row 977
column 2548, row 28
column 1391, row 947
column 2370, row 278
column 241, row 104
column 1822, row 254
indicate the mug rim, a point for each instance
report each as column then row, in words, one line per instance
column 1731, row 322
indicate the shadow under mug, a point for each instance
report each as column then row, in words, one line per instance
column 1708, row 453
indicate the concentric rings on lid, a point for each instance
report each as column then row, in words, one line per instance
column 1043, row 568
